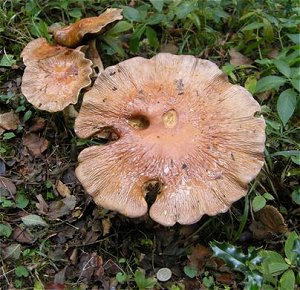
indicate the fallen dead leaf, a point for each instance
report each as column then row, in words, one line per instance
column 62, row 189
column 236, row 58
column 38, row 124
column 23, row 236
column 9, row 121
column 269, row 221
column 35, row 144
column 41, row 205
column 169, row 48
column 199, row 256
column 106, row 224
column 62, row 207
column 7, row 187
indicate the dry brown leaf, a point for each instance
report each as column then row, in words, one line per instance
column 62, row 189
column 41, row 205
column 200, row 255
column 7, row 187
column 236, row 58
column 106, row 224
column 23, row 236
column 62, row 207
column 169, row 48
column 9, row 121
column 39, row 124
column 269, row 221
column 35, row 144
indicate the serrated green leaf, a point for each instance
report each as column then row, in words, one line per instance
column 157, row 4
column 283, row 67
column 5, row 230
column 287, row 280
column 286, row 105
column 258, row 203
column 253, row 281
column 233, row 256
column 269, row 83
column 33, row 220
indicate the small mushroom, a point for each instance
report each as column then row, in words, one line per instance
column 52, row 83
column 72, row 35
column 179, row 123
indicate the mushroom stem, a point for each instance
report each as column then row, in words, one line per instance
column 95, row 57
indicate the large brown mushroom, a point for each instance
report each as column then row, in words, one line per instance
column 52, row 83
column 179, row 123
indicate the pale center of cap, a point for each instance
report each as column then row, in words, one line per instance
column 170, row 119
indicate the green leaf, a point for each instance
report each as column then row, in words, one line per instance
column 132, row 14
column 155, row 19
column 121, row 277
column 269, row 83
column 152, row 37
column 5, row 230
column 286, row 105
column 250, row 84
column 190, row 271
column 276, row 268
column 184, row 9
column 120, row 27
column 296, row 84
column 258, row 203
column 289, row 247
column 283, row 67
column 21, row 271
column 252, row 26
column 9, row 135
column 7, row 60
column 27, row 116
column 38, row 285
column 157, row 4
column 268, row 196
column 287, row 280
column 294, row 37
column 296, row 196
column 33, row 220
column 233, row 256
column 135, row 38
column 142, row 282
column 254, row 280
column 268, row 30
column 21, row 200
column 75, row 12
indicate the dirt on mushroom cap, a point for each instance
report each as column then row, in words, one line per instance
column 53, row 83
column 72, row 35
column 202, row 140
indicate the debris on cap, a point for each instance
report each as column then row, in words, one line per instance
column 72, row 35
column 55, row 82
column 179, row 123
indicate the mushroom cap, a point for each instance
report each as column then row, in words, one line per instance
column 53, row 83
column 179, row 122
column 39, row 49
column 72, row 35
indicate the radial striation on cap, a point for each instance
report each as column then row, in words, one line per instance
column 55, row 82
column 180, row 123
